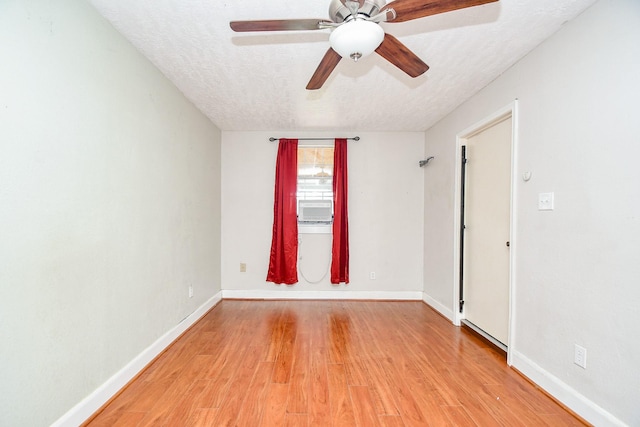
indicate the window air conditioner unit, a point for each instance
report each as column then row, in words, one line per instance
column 315, row 211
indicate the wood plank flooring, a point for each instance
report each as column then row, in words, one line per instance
column 330, row 363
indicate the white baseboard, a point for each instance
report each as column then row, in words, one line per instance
column 569, row 397
column 90, row 404
column 324, row 295
column 439, row 307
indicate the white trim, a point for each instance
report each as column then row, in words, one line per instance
column 513, row 238
column 561, row 391
column 90, row 404
column 439, row 307
column 322, row 295
column 315, row 228
column 510, row 110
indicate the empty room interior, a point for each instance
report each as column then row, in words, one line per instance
column 142, row 155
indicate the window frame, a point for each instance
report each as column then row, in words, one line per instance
column 315, row 228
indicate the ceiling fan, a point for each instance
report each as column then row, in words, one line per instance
column 357, row 33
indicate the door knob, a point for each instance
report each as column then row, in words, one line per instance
column 508, row 244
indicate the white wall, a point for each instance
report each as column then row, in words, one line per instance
column 109, row 207
column 577, row 269
column 385, row 218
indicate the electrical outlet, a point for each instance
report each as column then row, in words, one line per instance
column 580, row 356
column 372, row 275
column 243, row 267
column 190, row 291
column 545, row 201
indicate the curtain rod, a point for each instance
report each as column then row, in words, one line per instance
column 355, row 138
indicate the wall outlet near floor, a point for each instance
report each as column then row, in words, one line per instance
column 190, row 291
column 243, row 267
column 580, row 356
column 372, row 275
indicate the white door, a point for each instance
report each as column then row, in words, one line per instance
column 487, row 202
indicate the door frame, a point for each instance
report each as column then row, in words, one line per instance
column 510, row 110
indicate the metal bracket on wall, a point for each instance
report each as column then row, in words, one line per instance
column 425, row 162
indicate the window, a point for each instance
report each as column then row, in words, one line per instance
column 315, row 189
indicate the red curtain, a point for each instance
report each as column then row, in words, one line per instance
column 340, row 248
column 284, row 242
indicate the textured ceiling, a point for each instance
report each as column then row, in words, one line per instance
column 256, row 81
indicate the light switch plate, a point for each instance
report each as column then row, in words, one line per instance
column 545, row 201
column 580, row 356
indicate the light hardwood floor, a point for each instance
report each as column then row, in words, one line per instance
column 330, row 363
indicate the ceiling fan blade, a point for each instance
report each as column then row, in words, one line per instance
column 279, row 25
column 399, row 55
column 406, row 10
column 322, row 73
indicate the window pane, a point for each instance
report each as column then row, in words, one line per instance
column 315, row 185
column 315, row 173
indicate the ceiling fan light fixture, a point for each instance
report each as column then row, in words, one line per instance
column 356, row 39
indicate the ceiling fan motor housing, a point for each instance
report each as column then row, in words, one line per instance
column 338, row 12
